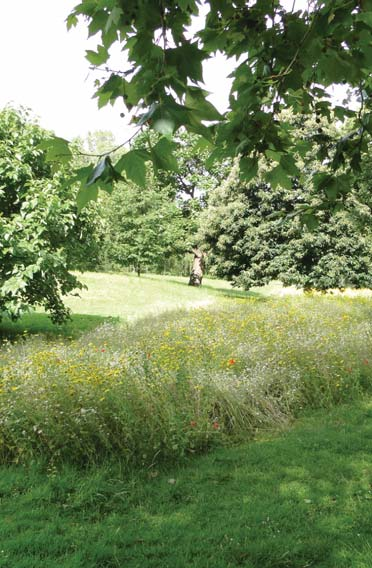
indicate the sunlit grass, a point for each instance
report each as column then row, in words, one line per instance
column 301, row 499
column 130, row 297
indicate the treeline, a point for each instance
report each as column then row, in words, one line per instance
column 249, row 232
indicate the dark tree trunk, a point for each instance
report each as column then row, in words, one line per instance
column 197, row 270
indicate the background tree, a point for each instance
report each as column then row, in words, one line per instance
column 191, row 184
column 154, row 229
column 254, row 236
column 41, row 235
column 143, row 230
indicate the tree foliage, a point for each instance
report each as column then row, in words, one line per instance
column 143, row 230
column 254, row 236
column 285, row 58
column 155, row 228
column 41, row 236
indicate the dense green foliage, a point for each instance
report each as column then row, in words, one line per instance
column 286, row 58
column 41, row 236
column 254, row 236
column 143, row 230
column 156, row 227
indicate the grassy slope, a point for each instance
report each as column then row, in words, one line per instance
column 298, row 500
column 130, row 297
column 125, row 297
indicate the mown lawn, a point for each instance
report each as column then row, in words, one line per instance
column 301, row 498
column 125, row 298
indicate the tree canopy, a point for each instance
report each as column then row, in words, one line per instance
column 41, row 236
column 285, row 58
column 252, row 237
column 155, row 228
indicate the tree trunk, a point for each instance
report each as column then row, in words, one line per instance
column 197, row 270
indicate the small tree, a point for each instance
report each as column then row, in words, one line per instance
column 41, row 235
column 143, row 229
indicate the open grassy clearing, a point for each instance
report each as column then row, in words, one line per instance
column 300, row 499
column 129, row 297
column 124, row 297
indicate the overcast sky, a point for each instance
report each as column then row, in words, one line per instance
column 43, row 67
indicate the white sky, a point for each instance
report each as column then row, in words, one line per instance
column 43, row 67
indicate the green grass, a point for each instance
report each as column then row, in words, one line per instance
column 40, row 324
column 130, row 298
column 139, row 393
column 296, row 500
column 126, row 298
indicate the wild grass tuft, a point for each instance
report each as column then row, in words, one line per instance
column 162, row 388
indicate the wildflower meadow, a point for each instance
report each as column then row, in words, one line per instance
column 230, row 430
column 163, row 388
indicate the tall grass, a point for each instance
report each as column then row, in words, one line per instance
column 161, row 388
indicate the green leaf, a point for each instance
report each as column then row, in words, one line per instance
column 71, row 21
column 98, row 170
column 97, row 23
column 57, row 149
column 97, row 57
column 322, row 180
column 133, row 163
column 114, row 18
column 162, row 156
column 248, row 168
column 333, row 68
column 196, row 100
column 289, row 165
column 85, row 194
column 331, row 190
column 187, row 59
column 310, row 220
column 187, row 5
column 273, row 155
column 279, row 177
column 303, row 147
column 365, row 17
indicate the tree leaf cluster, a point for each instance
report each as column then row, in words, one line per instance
column 255, row 233
column 285, row 59
column 41, row 235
